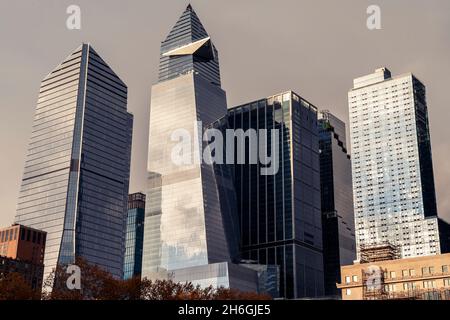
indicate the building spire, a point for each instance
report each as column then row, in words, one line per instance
column 188, row 47
column 189, row 22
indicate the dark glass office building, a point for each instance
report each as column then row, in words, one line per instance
column 134, row 237
column 339, row 247
column 444, row 235
column 75, row 182
column 280, row 214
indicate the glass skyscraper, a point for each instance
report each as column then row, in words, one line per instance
column 393, row 183
column 280, row 214
column 190, row 233
column 134, row 237
column 75, row 182
column 339, row 248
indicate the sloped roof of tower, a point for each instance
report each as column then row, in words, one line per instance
column 188, row 29
column 79, row 52
column 92, row 50
column 188, row 48
column 68, row 58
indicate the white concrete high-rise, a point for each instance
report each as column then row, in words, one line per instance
column 393, row 184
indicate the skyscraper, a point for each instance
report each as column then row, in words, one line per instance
column 189, row 232
column 75, row 182
column 279, row 214
column 339, row 248
column 393, row 183
column 134, row 237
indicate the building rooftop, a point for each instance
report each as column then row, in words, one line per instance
column 380, row 75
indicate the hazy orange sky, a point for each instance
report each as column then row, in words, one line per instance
column 313, row 47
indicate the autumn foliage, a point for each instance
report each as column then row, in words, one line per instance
column 97, row 284
column 14, row 287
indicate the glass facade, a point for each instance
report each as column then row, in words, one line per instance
column 134, row 237
column 76, row 176
column 280, row 215
column 339, row 248
column 393, row 184
column 223, row 274
column 185, row 221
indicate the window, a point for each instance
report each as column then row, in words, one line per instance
column 429, row 284
column 447, row 282
column 405, row 273
column 424, row 270
column 393, row 275
column 431, row 270
column 407, row 286
column 444, row 269
column 355, row 278
column 390, row 287
column 347, row 279
column 348, row 292
column 412, row 272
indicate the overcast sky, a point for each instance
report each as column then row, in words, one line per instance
column 313, row 47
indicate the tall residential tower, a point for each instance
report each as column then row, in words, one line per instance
column 75, row 182
column 393, row 184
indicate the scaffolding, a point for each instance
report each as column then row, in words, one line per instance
column 423, row 294
column 414, row 294
column 379, row 252
column 374, row 287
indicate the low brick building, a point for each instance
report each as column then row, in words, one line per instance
column 22, row 251
column 420, row 278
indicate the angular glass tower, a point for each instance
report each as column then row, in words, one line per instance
column 189, row 232
column 279, row 214
column 338, row 227
column 75, row 182
column 393, row 183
